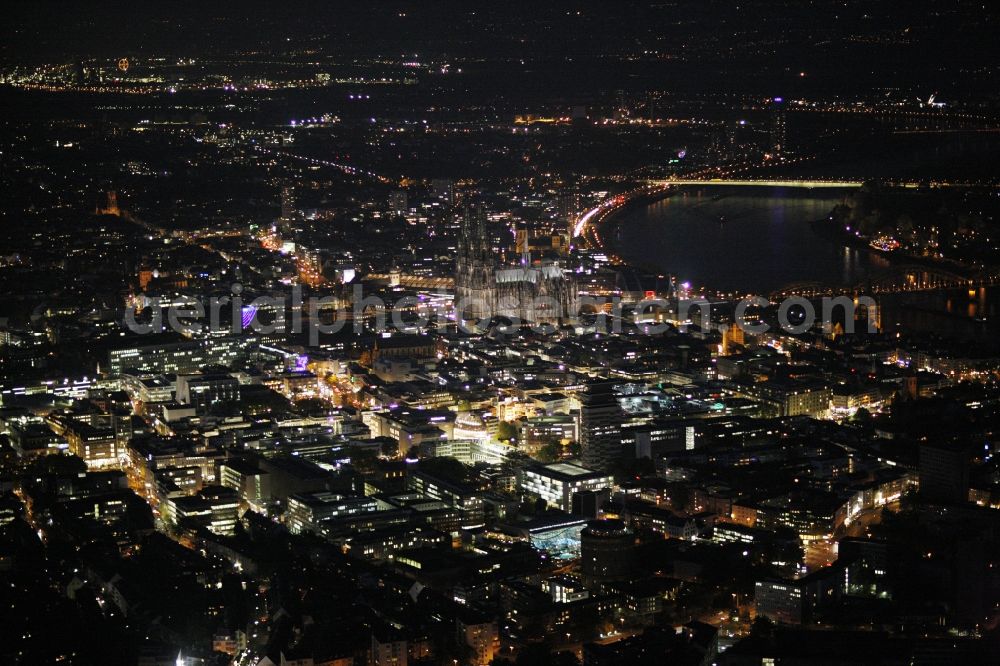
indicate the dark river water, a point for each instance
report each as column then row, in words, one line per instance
column 741, row 239
column 759, row 240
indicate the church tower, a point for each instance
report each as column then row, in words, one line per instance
column 485, row 288
column 475, row 267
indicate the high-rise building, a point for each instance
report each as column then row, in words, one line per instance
column 288, row 209
column 600, row 426
column 779, row 145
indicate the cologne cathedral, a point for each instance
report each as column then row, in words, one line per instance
column 486, row 288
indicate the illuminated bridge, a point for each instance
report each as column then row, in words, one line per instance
column 764, row 183
column 898, row 279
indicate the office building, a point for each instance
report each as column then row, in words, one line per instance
column 306, row 511
column 178, row 357
column 600, row 427
column 205, row 390
column 558, row 483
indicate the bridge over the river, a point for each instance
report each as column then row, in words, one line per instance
column 764, row 182
column 897, row 279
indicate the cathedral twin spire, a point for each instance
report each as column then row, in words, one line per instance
column 485, row 289
column 473, row 242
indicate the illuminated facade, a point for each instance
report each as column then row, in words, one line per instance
column 557, row 483
column 177, row 357
column 483, row 289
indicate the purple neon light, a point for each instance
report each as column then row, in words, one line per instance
column 248, row 314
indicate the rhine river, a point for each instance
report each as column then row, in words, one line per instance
column 741, row 239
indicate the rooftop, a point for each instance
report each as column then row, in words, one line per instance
column 567, row 471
